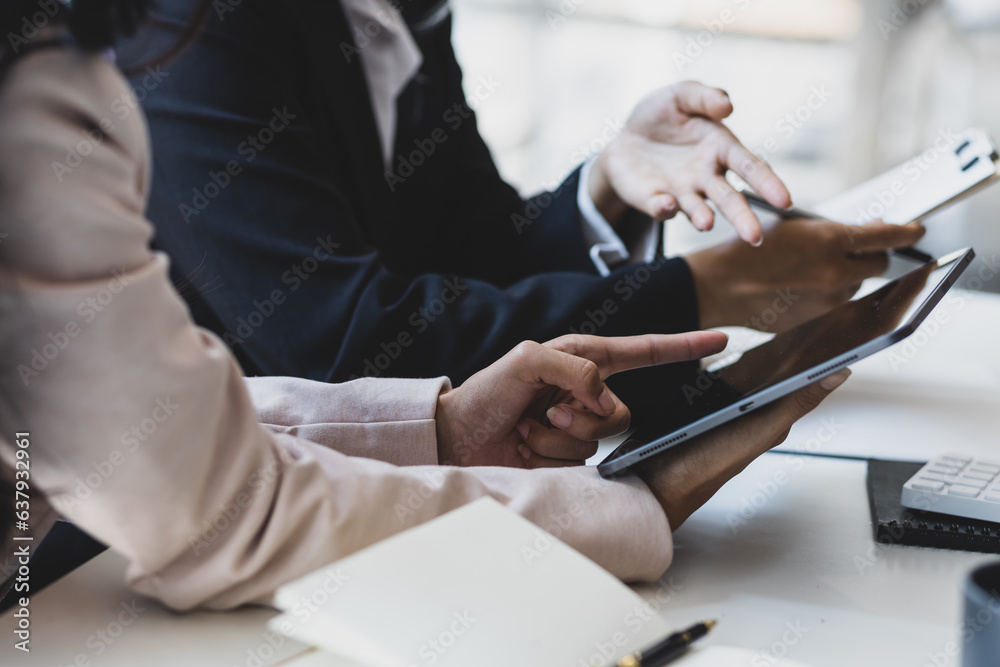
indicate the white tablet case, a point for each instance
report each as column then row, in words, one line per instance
column 952, row 168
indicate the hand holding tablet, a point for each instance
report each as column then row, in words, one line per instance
column 796, row 358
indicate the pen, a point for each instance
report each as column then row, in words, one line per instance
column 668, row 649
column 793, row 212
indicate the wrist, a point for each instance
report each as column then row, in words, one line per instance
column 602, row 193
column 672, row 485
column 684, row 479
column 709, row 289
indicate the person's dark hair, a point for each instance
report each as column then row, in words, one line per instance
column 94, row 25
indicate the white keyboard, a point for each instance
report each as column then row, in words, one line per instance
column 958, row 485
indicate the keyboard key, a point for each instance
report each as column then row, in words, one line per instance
column 935, row 477
column 960, row 460
column 928, row 485
column 959, row 485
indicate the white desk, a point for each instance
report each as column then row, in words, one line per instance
column 68, row 617
column 936, row 392
column 807, row 557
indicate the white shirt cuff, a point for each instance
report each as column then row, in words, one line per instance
column 606, row 247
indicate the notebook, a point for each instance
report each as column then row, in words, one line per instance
column 955, row 166
column 894, row 524
column 480, row 586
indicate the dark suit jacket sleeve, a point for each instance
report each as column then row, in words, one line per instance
column 252, row 199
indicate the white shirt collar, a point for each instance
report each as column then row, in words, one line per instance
column 390, row 58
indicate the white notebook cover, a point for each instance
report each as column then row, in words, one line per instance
column 478, row 586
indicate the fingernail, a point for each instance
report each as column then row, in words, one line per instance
column 524, row 428
column 525, row 452
column 832, row 382
column 606, row 402
column 559, row 417
column 758, row 243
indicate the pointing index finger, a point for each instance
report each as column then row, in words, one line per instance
column 614, row 355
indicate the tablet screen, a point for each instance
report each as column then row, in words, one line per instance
column 805, row 347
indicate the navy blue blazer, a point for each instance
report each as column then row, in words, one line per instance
column 291, row 240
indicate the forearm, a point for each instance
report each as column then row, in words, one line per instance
column 338, row 505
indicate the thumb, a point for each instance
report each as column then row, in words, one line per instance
column 806, row 399
column 880, row 236
column 697, row 99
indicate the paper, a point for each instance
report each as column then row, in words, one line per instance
column 478, row 586
column 726, row 656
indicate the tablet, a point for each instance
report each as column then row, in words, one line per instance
column 794, row 358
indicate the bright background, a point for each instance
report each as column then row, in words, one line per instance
column 896, row 73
